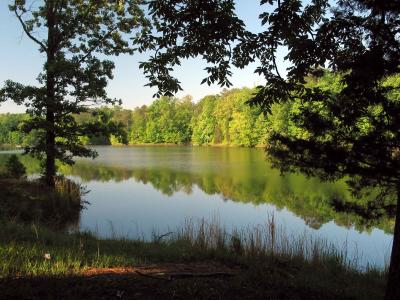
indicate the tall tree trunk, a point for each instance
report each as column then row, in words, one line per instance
column 50, row 171
column 393, row 283
column 50, row 150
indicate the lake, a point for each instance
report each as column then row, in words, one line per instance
column 136, row 191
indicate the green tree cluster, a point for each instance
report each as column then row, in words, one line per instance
column 216, row 119
column 228, row 119
column 166, row 120
column 75, row 37
column 10, row 132
column 223, row 119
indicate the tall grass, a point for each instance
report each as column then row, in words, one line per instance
column 265, row 254
column 263, row 242
column 196, row 240
column 69, row 191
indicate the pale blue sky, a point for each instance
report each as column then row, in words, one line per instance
column 20, row 61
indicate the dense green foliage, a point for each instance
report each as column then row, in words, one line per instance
column 352, row 132
column 15, row 169
column 223, row 119
column 75, row 38
column 166, row 120
column 218, row 119
column 10, row 131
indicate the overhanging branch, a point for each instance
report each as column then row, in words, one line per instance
column 19, row 17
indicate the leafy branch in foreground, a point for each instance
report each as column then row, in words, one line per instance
column 185, row 29
column 353, row 132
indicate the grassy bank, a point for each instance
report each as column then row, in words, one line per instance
column 31, row 201
column 308, row 270
column 263, row 262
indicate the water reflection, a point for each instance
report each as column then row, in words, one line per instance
column 235, row 174
column 136, row 190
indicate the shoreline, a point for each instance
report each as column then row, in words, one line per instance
column 185, row 145
column 14, row 147
column 38, row 260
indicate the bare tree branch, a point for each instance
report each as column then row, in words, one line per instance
column 44, row 48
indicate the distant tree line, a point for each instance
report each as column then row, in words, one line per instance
column 217, row 119
column 223, row 119
column 10, row 130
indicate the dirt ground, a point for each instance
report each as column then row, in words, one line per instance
column 162, row 281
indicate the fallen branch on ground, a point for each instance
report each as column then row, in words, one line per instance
column 152, row 276
column 173, row 276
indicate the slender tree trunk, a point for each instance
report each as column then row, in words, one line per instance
column 393, row 283
column 50, row 170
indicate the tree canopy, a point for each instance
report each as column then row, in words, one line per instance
column 351, row 132
column 75, row 37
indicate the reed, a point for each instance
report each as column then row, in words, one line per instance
column 69, row 191
column 263, row 242
column 266, row 255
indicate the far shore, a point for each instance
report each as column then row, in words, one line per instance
column 10, row 146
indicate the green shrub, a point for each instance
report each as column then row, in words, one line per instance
column 15, row 168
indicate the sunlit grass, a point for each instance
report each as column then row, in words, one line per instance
column 265, row 254
column 25, row 247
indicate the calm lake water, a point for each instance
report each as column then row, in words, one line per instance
column 135, row 191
